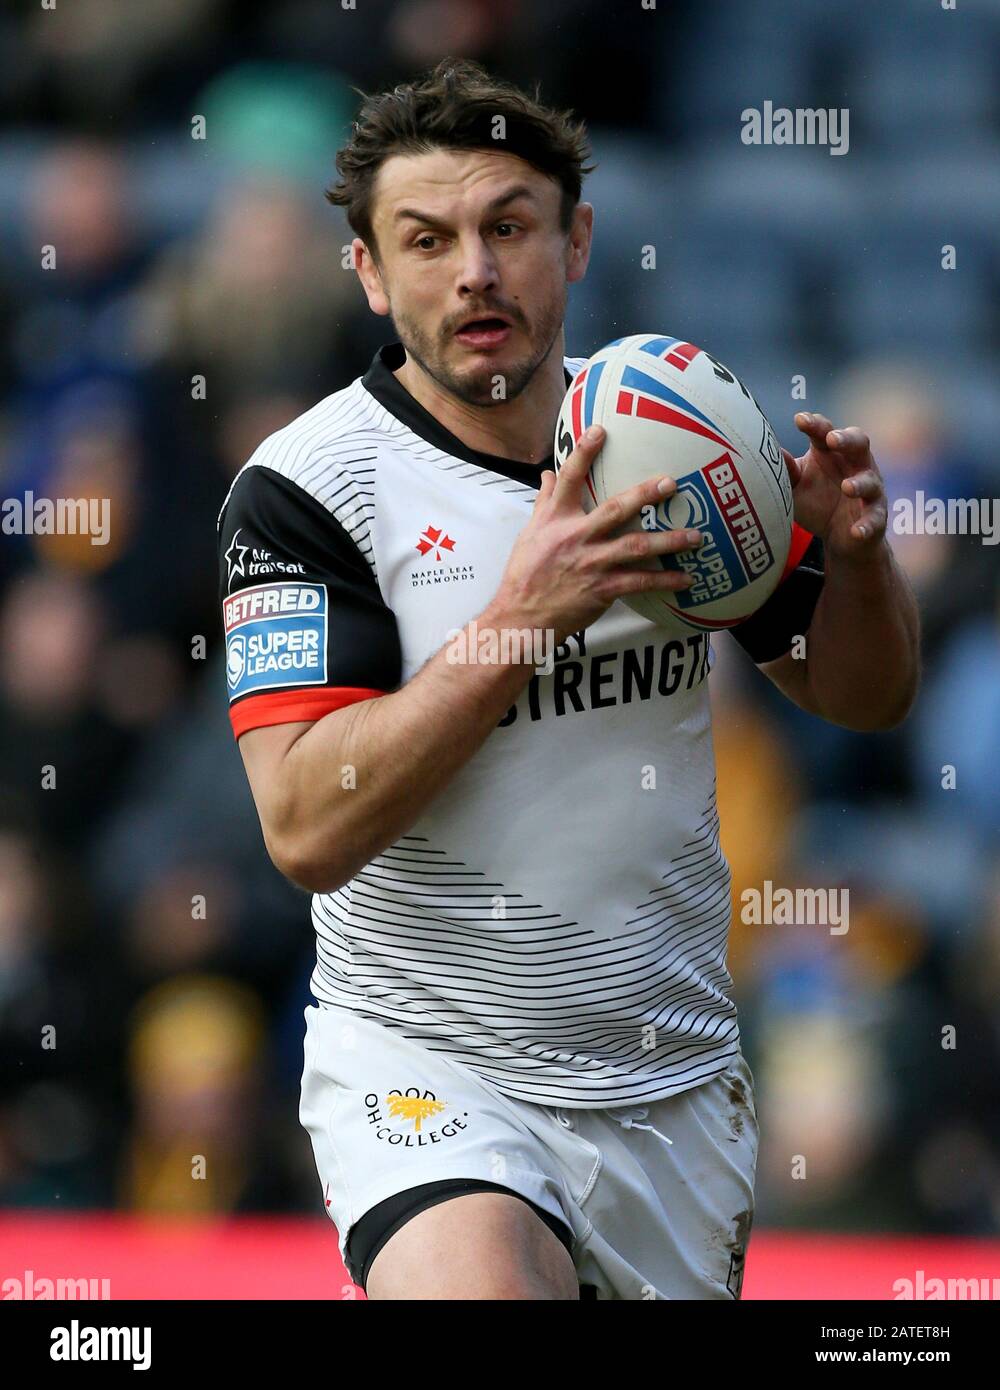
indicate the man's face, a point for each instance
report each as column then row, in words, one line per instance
column 473, row 266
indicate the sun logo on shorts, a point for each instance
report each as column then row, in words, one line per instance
column 415, row 1108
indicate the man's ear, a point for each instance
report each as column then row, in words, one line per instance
column 578, row 244
column 370, row 276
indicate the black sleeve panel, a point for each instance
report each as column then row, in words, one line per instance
column 272, row 534
column 787, row 614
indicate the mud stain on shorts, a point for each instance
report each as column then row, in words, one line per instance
column 738, row 1242
column 736, row 1093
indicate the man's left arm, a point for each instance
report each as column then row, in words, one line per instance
column 861, row 666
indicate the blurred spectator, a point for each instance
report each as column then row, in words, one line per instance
column 60, row 754
column 78, row 259
column 186, row 825
column 261, row 297
column 85, row 63
column 196, row 1059
column 905, row 415
column 955, row 735
column 59, row 1104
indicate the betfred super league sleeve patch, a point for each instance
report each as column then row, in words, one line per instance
column 275, row 637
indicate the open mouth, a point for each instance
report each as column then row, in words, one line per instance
column 484, row 333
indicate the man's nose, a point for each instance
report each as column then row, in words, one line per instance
column 478, row 272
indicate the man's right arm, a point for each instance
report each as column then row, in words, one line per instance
column 333, row 794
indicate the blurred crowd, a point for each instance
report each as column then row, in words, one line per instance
column 153, row 965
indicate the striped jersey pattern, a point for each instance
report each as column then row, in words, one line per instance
column 556, row 920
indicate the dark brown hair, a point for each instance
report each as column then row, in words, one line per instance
column 455, row 107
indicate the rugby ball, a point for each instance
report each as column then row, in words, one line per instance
column 669, row 407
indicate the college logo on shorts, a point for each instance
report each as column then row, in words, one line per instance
column 275, row 637
column 401, row 1118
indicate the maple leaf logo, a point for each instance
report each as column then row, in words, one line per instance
column 436, row 540
column 414, row 1108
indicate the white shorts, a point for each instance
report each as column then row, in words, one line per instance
column 655, row 1201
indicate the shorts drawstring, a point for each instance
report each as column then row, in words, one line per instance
column 635, row 1113
column 627, row 1116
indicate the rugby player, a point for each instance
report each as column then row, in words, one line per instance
column 523, row 1076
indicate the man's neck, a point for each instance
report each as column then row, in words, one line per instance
column 520, row 429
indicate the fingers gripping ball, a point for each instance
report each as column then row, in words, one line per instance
column 671, row 408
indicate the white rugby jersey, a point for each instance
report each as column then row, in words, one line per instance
column 557, row 919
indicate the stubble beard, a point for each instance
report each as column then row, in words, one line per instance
column 479, row 387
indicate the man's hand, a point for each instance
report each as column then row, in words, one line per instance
column 838, row 491
column 862, row 666
column 567, row 566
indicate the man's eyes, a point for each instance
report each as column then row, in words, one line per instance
column 428, row 241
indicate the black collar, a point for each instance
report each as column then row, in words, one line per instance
column 380, row 382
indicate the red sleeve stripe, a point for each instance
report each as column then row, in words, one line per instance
column 292, row 706
column 801, row 541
